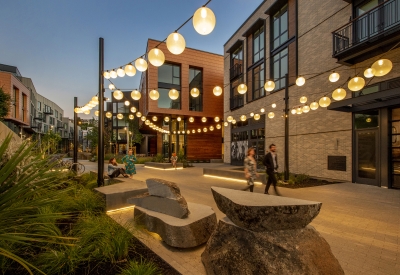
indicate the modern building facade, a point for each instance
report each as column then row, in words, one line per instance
column 191, row 121
column 354, row 139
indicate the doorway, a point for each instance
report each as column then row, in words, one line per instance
column 367, row 166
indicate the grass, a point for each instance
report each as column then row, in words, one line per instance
column 140, row 268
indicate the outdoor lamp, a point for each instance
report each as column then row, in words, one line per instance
column 141, row 64
column 204, row 129
column 136, row 95
column 96, row 113
column 176, row 43
column 218, row 126
column 133, row 110
column 303, row 99
column 382, row 67
column 106, row 74
column 242, row 89
column 262, row 110
column 154, row 95
column 204, row 119
column 229, row 118
column 109, row 115
column 251, row 114
column 368, row 73
column 233, row 121
column 355, row 84
column 269, row 86
column 211, row 128
column 324, row 101
column 77, row 110
column 156, row 57
column 147, row 122
column 95, row 99
column 299, row 110
column 226, row 124
column 293, row 111
column 131, row 116
column 120, row 116
column 314, row 106
column 86, row 112
column 193, row 131
column 143, row 118
column 257, row 117
column 339, row 94
column 333, row 77
column 300, row 81
column 154, row 118
column 191, row 119
column 306, row 109
column 204, row 21
column 178, row 118
column 138, row 114
column 217, row 91
column 199, row 130
column 130, row 70
column 127, row 103
column 188, row 132
column 368, row 120
column 111, row 87
column 173, row 94
column 166, row 119
column 216, row 119
column 113, row 74
column 194, row 92
column 120, row 72
column 118, row 94
column 271, row 115
column 273, row 105
column 243, row 117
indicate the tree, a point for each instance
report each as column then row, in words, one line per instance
column 136, row 134
column 50, row 141
column 93, row 136
column 5, row 103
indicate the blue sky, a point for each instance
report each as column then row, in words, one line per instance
column 55, row 42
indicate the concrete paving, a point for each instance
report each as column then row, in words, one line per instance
column 360, row 222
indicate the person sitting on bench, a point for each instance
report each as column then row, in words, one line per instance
column 114, row 171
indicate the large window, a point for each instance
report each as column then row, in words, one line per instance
column 280, row 68
column 24, row 107
column 280, row 29
column 15, row 99
column 39, row 106
column 196, row 81
column 258, row 81
column 237, row 56
column 258, row 44
column 169, row 77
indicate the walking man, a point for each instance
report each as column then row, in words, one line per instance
column 271, row 165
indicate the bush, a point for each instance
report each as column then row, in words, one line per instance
column 141, row 160
column 158, row 158
column 301, row 178
column 140, row 268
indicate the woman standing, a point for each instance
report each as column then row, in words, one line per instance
column 129, row 161
column 174, row 160
column 113, row 170
column 250, row 169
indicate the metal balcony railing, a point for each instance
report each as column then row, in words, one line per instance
column 381, row 20
column 236, row 70
column 236, row 101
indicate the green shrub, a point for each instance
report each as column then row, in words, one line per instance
column 158, row 158
column 140, row 268
column 181, row 156
column 301, row 178
column 141, row 160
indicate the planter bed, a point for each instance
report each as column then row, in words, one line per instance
column 161, row 165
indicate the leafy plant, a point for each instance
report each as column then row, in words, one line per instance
column 50, row 141
column 181, row 156
column 5, row 103
column 158, row 158
column 301, row 178
column 140, row 268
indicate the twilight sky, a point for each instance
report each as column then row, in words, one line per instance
column 56, row 42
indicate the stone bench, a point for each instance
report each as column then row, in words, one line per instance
column 225, row 173
column 160, row 165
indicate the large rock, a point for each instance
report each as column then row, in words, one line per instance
column 174, row 207
column 183, row 233
column 163, row 188
column 234, row 250
column 260, row 212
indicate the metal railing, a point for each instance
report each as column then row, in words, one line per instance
column 382, row 19
column 236, row 70
column 237, row 101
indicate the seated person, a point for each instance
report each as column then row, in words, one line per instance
column 114, row 171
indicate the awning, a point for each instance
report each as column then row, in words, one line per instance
column 256, row 25
column 235, row 45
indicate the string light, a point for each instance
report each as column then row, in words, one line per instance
column 333, row 77
column 86, row 112
column 271, row 115
column 130, row 70
column 314, row 106
column 229, row 118
column 382, row 67
column 173, row 94
column 217, row 91
column 324, row 102
column 118, row 95
column 355, row 84
column 191, row 119
column 218, row 126
column 339, row 94
column 176, row 43
column 109, row 115
column 96, row 113
column 143, row 118
column 273, row 105
column 120, row 116
column 156, row 57
column 303, row 99
column 131, row 116
column 133, row 109
column 194, row 92
column 154, row 95
column 300, row 81
column 111, row 87
column 368, row 73
column 166, row 119
column 138, row 114
column 141, row 64
column 226, row 124
column 306, row 109
column 113, row 74
column 106, row 74
column 204, row 119
column 242, row 89
column 154, row 118
column 127, row 103
column 216, row 119
column 269, row 86
column 136, row 95
column 262, row 110
column 120, row 72
column 204, row 21
column 243, row 117
column 257, row 117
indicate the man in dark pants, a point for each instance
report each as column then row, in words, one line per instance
column 271, row 165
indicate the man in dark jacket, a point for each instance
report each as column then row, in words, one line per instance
column 271, row 165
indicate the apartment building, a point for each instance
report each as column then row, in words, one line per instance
column 355, row 139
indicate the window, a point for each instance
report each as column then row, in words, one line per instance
column 15, row 99
column 45, row 128
column 280, row 68
column 39, row 106
column 196, row 81
column 56, row 113
column 280, row 30
column 24, row 108
column 169, row 77
column 237, row 56
column 258, row 81
column 258, row 45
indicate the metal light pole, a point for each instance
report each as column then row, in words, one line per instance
column 127, row 140
column 75, row 134
column 286, row 127
column 100, row 163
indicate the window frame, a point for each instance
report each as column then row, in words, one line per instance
column 200, row 97
column 279, row 14
column 260, row 51
column 277, row 84
column 261, row 88
column 169, row 86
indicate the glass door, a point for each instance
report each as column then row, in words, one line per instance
column 395, row 152
column 367, row 169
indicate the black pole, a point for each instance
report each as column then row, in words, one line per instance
column 75, row 133
column 100, row 163
column 286, row 127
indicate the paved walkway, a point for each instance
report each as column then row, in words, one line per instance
column 360, row 222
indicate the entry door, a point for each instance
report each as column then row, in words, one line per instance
column 367, row 161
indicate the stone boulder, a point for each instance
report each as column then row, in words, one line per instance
column 195, row 230
column 234, row 250
column 260, row 212
column 163, row 188
column 174, row 207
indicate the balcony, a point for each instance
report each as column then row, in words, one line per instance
column 237, row 101
column 368, row 35
column 235, row 70
column 38, row 116
column 47, row 111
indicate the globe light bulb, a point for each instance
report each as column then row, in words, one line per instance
column 188, row 132
column 252, row 114
column 156, row 57
column 147, row 122
column 130, row 70
column 120, row 116
column 204, row 130
column 131, row 117
column 243, row 117
column 314, row 106
column 86, row 112
column 120, row 72
column 229, row 118
column 355, row 84
column 324, row 102
column 204, row 20
column 257, row 117
column 299, row 110
column 271, row 115
column 173, row 94
column 138, row 114
column 178, row 118
column 191, row 119
column 133, row 109
column 218, row 126
column 154, row 95
column 204, row 119
column 199, row 130
column 111, row 87
column 194, row 92
column 76, row 110
column 303, row 99
column 176, row 43
column 217, row 91
column 333, row 77
column 211, row 128
column 154, row 118
column 273, row 105
column 113, row 74
column 300, row 81
column 242, row 89
column 109, row 115
column 269, row 86
column 226, row 124
column 368, row 73
column 136, row 95
column 96, row 113
column 193, row 131
column 233, row 122
column 106, row 75
column 293, row 111
column 382, row 67
column 141, row 64
column 306, row 109
column 127, row 103
column 339, row 94
column 166, row 119
column 118, row 95
column 262, row 110
column 216, row 119
column 95, row 99
column 143, row 118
